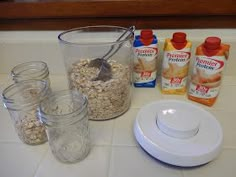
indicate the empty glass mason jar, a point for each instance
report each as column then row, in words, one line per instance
column 22, row 100
column 99, row 61
column 64, row 113
column 31, row 70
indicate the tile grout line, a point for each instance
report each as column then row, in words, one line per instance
column 220, row 109
column 229, row 147
column 110, row 161
column 111, row 150
column 112, row 133
column 132, row 145
column 11, row 142
column 182, row 172
column 41, row 160
column 135, row 107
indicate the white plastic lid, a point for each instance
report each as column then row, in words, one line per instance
column 178, row 133
column 177, row 123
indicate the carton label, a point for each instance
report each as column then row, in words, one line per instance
column 203, row 91
column 206, row 76
column 175, row 69
column 145, row 65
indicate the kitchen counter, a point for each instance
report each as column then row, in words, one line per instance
column 115, row 152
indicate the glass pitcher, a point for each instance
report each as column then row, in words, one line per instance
column 109, row 96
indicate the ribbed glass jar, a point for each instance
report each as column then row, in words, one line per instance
column 65, row 115
column 22, row 100
column 30, row 70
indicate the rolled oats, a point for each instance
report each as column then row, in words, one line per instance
column 108, row 99
column 30, row 130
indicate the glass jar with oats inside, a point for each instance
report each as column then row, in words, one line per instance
column 99, row 60
column 22, row 100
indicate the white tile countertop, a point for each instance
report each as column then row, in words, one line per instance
column 115, row 152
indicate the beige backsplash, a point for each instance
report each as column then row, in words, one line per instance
column 21, row 46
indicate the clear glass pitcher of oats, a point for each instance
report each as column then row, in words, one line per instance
column 99, row 60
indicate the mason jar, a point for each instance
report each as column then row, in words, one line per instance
column 31, row 70
column 64, row 113
column 107, row 83
column 22, row 100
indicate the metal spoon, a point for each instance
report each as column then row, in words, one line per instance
column 105, row 73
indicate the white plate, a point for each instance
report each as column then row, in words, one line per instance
column 178, row 133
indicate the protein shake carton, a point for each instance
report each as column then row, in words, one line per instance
column 145, row 61
column 206, row 77
column 175, row 65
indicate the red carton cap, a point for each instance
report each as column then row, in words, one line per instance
column 146, row 34
column 212, row 43
column 179, row 37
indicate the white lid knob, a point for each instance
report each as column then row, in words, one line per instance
column 177, row 123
